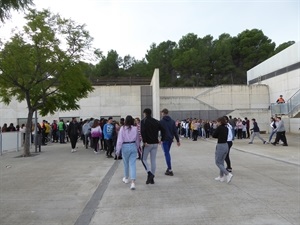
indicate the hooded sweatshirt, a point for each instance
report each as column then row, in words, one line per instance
column 170, row 130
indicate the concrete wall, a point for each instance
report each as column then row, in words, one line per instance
column 104, row 101
column 281, row 73
column 287, row 82
column 209, row 103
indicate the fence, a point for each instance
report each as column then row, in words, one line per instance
column 10, row 141
column 291, row 107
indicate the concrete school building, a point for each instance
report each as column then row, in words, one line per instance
column 277, row 75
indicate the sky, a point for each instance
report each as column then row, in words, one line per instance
column 130, row 27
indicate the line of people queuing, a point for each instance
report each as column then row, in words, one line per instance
column 194, row 128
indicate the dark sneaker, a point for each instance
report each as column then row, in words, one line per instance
column 169, row 173
column 229, row 170
column 150, row 178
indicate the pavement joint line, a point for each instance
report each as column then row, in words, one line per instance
column 265, row 156
column 268, row 157
column 90, row 208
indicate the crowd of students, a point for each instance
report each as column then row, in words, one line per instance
column 194, row 128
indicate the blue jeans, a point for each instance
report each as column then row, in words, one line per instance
column 129, row 153
column 271, row 135
column 166, row 145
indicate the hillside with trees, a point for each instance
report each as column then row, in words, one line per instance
column 193, row 61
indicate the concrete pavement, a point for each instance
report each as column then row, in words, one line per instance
column 59, row 187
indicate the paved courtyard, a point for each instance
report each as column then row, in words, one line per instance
column 57, row 187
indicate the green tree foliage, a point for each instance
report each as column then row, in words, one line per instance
column 109, row 65
column 221, row 61
column 283, row 46
column 161, row 57
column 196, row 61
column 41, row 65
column 7, row 5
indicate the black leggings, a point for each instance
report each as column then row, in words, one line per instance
column 73, row 140
column 227, row 159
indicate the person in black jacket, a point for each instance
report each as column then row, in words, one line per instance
column 167, row 135
column 73, row 133
column 222, row 149
column 150, row 128
column 255, row 132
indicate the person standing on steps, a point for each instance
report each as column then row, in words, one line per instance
column 280, row 100
column 169, row 131
column 150, row 128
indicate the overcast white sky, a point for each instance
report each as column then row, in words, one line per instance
column 130, row 27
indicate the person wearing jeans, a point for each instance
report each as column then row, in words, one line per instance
column 273, row 126
column 168, row 133
column 129, row 141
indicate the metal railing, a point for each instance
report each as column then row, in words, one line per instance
column 290, row 108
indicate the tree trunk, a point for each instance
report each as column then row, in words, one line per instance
column 28, row 133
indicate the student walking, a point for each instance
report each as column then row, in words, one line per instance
column 255, row 132
column 168, row 133
column 129, row 141
column 96, row 134
column 221, row 133
column 108, row 131
column 150, row 128
column 280, row 132
column 273, row 127
column 73, row 133
column 230, row 143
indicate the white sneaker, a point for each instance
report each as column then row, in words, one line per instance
column 125, row 180
column 132, row 186
column 72, row 150
column 221, row 179
column 229, row 177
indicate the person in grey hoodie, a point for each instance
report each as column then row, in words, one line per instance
column 168, row 133
column 280, row 132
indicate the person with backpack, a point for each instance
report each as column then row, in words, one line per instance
column 62, row 131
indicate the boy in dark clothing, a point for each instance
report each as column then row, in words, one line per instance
column 150, row 128
column 167, row 135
